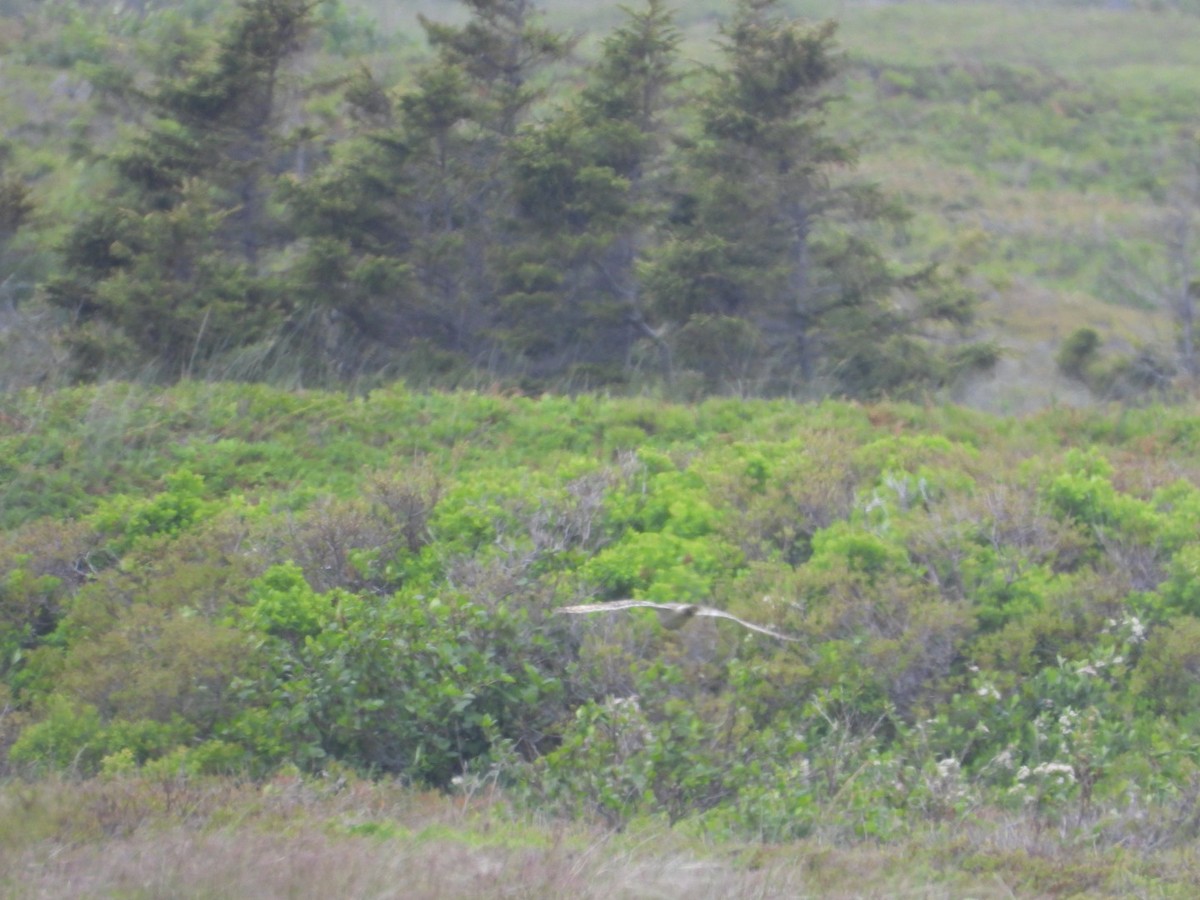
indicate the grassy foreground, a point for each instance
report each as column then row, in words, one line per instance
column 298, row 838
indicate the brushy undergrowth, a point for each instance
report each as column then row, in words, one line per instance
column 996, row 619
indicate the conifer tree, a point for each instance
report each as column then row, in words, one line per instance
column 174, row 257
column 586, row 185
column 495, row 68
column 767, row 274
column 404, row 228
column 16, row 207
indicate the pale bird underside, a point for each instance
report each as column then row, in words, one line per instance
column 674, row 615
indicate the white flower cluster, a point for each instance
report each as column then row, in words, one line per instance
column 1093, row 667
column 1131, row 626
column 948, row 787
column 988, row 690
column 1058, row 773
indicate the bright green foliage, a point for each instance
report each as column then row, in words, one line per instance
column 861, row 552
column 1086, row 496
column 999, row 594
column 1181, row 590
column 281, row 604
column 67, row 737
column 658, row 566
column 989, row 615
column 129, row 519
column 663, row 545
column 73, row 738
column 479, row 510
column 410, row 684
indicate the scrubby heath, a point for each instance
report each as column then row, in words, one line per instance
column 305, row 314
column 997, row 617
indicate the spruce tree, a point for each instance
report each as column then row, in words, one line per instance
column 769, row 277
column 587, row 190
column 16, row 207
column 405, row 228
column 174, row 257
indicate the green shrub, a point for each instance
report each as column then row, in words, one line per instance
column 1180, row 593
column 69, row 737
column 282, row 604
column 1003, row 588
column 1167, row 677
column 1077, row 354
column 28, row 611
column 981, row 605
column 860, row 551
column 411, row 684
column 660, row 566
column 1086, row 494
column 129, row 520
column 145, row 662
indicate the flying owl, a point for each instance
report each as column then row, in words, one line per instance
column 673, row 615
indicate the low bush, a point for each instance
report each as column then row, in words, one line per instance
column 986, row 615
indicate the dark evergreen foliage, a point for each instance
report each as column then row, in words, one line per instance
column 174, row 257
column 651, row 224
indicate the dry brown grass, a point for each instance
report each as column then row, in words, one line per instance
column 309, row 862
column 134, row 838
column 130, row 838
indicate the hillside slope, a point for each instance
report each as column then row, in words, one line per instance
column 1045, row 145
column 1044, row 151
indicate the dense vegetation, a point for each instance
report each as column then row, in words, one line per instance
column 253, row 582
column 992, row 615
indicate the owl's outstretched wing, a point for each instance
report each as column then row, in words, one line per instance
column 670, row 615
column 761, row 629
column 615, row 605
column 682, row 611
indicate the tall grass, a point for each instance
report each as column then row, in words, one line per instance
column 348, row 838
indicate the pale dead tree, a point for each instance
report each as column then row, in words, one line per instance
column 673, row 615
